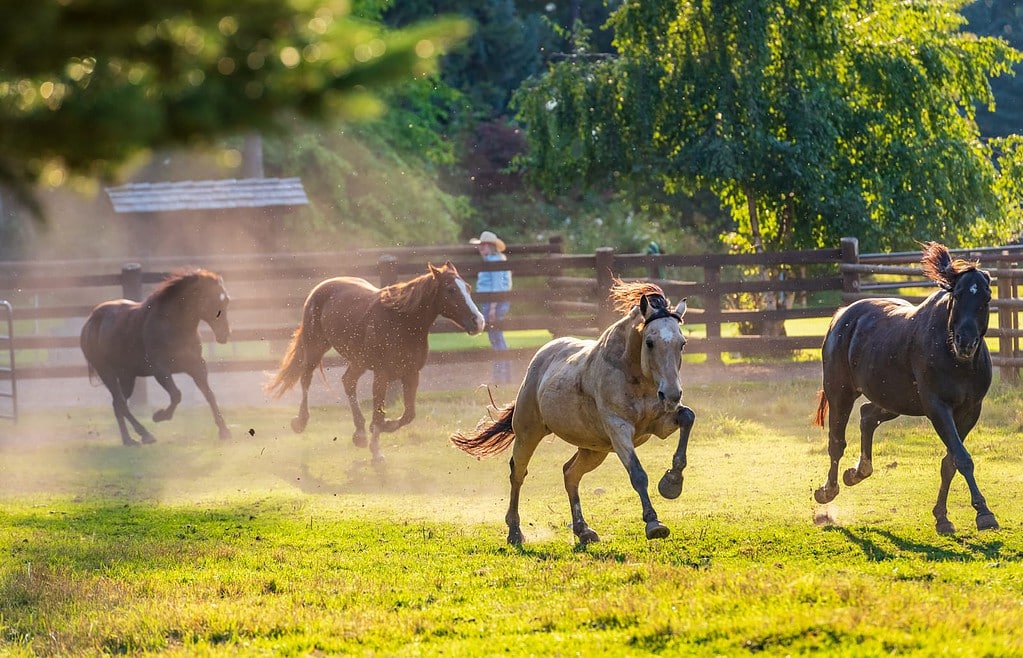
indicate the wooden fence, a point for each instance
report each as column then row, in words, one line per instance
column 561, row 293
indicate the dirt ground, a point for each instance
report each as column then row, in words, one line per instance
column 245, row 389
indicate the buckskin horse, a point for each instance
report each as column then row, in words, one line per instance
column 927, row 360
column 122, row 340
column 606, row 395
column 385, row 330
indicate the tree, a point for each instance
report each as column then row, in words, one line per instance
column 808, row 120
column 87, row 85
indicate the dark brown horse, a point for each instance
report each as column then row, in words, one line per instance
column 158, row 337
column 927, row 360
column 384, row 330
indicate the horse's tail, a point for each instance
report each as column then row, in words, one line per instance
column 86, row 339
column 292, row 365
column 822, row 409
column 492, row 435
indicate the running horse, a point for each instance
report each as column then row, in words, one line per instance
column 606, row 395
column 122, row 340
column 385, row 330
column 928, row 360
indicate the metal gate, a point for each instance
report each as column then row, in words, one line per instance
column 8, row 376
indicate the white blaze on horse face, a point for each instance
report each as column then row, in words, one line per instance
column 973, row 289
column 481, row 322
column 662, row 361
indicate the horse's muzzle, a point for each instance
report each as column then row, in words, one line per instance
column 963, row 349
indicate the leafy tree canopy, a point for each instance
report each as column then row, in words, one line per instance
column 86, row 85
column 809, row 120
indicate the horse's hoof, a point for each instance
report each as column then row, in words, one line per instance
column 225, row 433
column 161, row 415
column 945, row 527
column 148, row 438
column 852, row 477
column 378, row 459
column 825, row 494
column 987, row 522
column 359, row 439
column 588, row 536
column 129, row 442
column 298, row 425
column 670, row 485
column 515, row 537
column 656, row 530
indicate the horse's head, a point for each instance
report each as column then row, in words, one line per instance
column 454, row 301
column 969, row 292
column 968, row 315
column 212, row 300
column 661, row 352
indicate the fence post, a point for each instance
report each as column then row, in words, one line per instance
column 131, row 281
column 131, row 288
column 712, row 312
column 557, row 244
column 1008, row 324
column 387, row 270
column 605, row 263
column 850, row 248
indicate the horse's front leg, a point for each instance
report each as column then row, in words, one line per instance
column 350, row 380
column 621, row 433
column 670, row 485
column 409, row 386
column 164, row 379
column 944, row 424
column 201, row 379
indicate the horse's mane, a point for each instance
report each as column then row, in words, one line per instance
column 407, row 295
column 178, row 280
column 939, row 266
column 626, row 294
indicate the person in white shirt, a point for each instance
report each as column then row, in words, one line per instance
column 491, row 249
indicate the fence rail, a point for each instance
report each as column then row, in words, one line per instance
column 562, row 293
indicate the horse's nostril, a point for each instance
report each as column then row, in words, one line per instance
column 660, row 395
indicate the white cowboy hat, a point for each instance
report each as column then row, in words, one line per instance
column 489, row 236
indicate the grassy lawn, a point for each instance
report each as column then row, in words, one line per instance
column 284, row 544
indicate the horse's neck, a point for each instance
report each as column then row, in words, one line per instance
column 621, row 344
column 176, row 311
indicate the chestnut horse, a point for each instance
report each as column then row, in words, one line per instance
column 122, row 340
column 384, row 330
column 927, row 360
column 606, row 395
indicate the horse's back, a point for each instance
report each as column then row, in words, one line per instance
column 111, row 332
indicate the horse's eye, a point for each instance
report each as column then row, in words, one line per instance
column 649, row 343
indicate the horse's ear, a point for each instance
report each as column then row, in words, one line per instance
column 644, row 306
column 680, row 310
column 433, row 270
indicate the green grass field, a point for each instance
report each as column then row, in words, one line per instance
column 284, row 544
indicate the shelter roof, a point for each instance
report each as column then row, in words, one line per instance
column 207, row 194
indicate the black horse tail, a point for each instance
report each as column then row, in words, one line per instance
column 822, row 409
column 292, row 365
column 491, row 437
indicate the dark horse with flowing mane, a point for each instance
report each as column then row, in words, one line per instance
column 158, row 337
column 927, row 360
column 384, row 330
column 606, row 395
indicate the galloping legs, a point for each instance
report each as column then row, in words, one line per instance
column 582, row 462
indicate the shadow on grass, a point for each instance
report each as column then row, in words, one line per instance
column 879, row 545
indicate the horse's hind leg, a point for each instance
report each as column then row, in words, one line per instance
column 582, row 462
column 312, row 355
column 122, row 412
column 840, row 404
column 350, row 380
column 871, row 416
column 524, row 447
